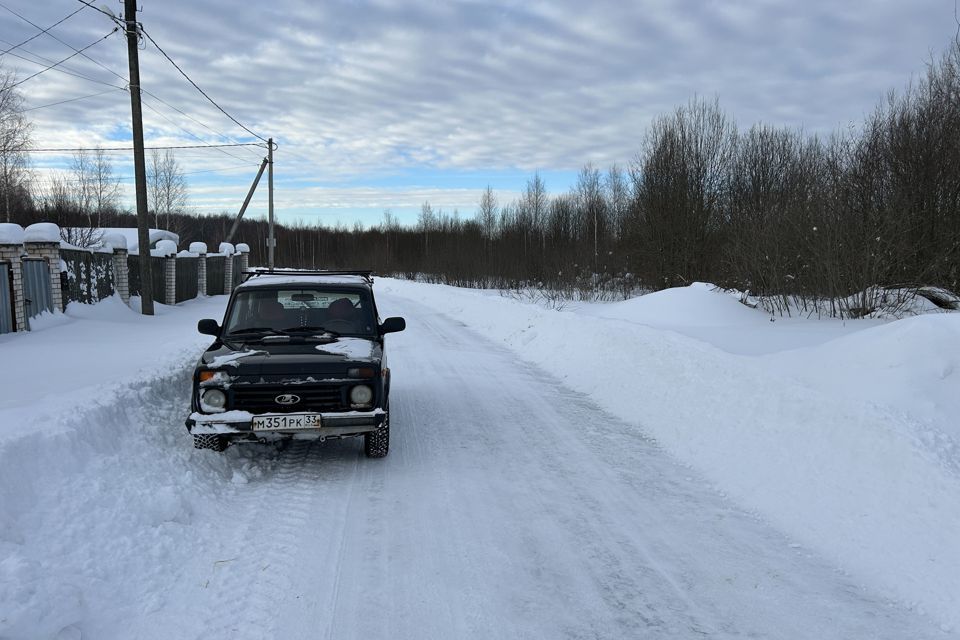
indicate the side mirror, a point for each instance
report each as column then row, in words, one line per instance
column 392, row 325
column 208, row 327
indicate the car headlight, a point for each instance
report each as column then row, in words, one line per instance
column 213, row 400
column 361, row 395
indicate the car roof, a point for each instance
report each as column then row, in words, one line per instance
column 283, row 279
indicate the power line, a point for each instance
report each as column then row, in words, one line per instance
column 15, row 84
column 158, row 98
column 64, row 70
column 188, row 132
column 67, row 44
column 128, row 178
column 184, row 114
column 92, row 95
column 43, row 31
column 194, row 146
column 106, row 13
column 197, row 87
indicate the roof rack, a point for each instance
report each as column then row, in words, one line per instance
column 367, row 275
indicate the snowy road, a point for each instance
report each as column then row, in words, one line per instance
column 509, row 507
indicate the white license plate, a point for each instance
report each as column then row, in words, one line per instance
column 286, row 422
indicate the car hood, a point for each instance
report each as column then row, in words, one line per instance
column 293, row 358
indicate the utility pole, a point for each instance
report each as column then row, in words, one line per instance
column 139, row 164
column 246, row 202
column 271, row 241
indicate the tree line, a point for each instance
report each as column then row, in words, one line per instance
column 819, row 224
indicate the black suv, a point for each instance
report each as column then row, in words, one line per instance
column 300, row 355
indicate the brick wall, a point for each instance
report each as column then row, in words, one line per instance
column 11, row 253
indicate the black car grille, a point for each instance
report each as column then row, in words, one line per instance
column 260, row 398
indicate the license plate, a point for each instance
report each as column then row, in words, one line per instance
column 286, row 422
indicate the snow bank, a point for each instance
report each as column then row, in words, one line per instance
column 42, row 232
column 718, row 318
column 79, row 470
column 11, row 233
column 872, row 487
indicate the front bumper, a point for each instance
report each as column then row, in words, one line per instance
column 237, row 425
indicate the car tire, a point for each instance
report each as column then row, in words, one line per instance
column 209, row 441
column 376, row 444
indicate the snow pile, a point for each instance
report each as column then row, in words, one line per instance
column 11, row 233
column 227, row 249
column 113, row 241
column 871, row 485
column 165, row 248
column 42, row 232
column 198, row 247
column 718, row 318
column 243, row 248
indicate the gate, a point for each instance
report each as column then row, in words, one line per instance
column 237, row 269
column 36, row 287
column 216, row 272
column 6, row 302
column 188, row 271
column 156, row 277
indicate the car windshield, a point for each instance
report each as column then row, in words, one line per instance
column 272, row 311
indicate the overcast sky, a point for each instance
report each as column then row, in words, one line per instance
column 388, row 103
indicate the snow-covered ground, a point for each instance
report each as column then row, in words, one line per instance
column 672, row 466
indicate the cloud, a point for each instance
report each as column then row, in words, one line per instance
column 355, row 91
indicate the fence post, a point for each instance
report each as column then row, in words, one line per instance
column 42, row 239
column 121, row 274
column 11, row 248
column 170, row 280
column 200, row 248
column 244, row 250
column 167, row 249
column 121, row 266
column 227, row 250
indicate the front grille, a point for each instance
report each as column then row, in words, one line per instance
column 260, row 398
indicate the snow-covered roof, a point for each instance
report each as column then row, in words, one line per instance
column 130, row 233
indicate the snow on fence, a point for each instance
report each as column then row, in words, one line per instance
column 40, row 272
column 89, row 275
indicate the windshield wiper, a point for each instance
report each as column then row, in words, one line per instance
column 256, row 334
column 311, row 329
column 245, row 330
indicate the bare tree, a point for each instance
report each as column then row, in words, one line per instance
column 166, row 187
column 14, row 141
column 106, row 187
column 487, row 213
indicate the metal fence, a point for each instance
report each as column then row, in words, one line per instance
column 37, row 293
column 188, row 271
column 7, row 318
column 156, row 277
column 216, row 272
column 89, row 275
